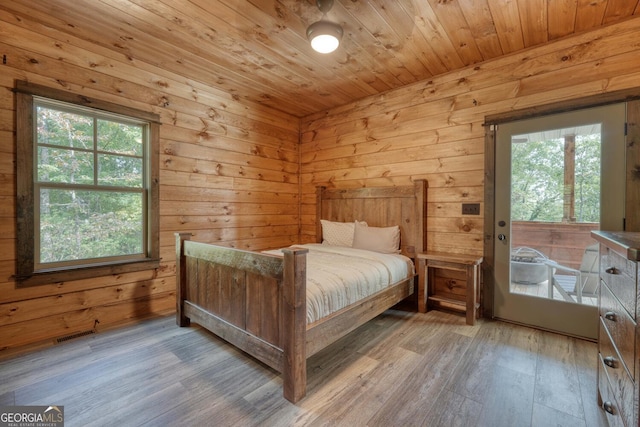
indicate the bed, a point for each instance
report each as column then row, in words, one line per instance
column 257, row 301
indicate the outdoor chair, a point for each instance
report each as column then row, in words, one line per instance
column 578, row 283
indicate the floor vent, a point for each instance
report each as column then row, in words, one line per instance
column 74, row 336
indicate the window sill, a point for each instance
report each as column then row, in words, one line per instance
column 84, row 272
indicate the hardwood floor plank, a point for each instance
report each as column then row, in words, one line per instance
column 22, row 370
column 510, row 400
column 543, row 416
column 206, row 410
column 124, row 394
column 371, row 391
column 586, row 361
column 402, row 368
column 92, row 377
column 7, row 399
column 414, row 397
column 141, row 411
column 557, row 382
column 453, row 410
column 421, row 331
column 472, row 379
column 518, row 348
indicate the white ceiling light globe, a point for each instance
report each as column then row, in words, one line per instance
column 324, row 36
column 325, row 43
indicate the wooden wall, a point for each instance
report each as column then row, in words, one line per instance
column 232, row 171
column 434, row 129
column 228, row 173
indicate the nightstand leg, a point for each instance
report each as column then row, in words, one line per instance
column 472, row 291
column 422, row 286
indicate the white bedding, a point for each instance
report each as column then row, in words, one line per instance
column 339, row 276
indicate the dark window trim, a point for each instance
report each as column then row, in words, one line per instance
column 25, row 274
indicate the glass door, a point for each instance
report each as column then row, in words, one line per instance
column 557, row 178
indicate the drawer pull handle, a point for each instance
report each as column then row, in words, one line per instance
column 610, row 315
column 612, row 270
column 611, row 362
column 608, row 406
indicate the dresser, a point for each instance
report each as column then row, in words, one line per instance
column 618, row 337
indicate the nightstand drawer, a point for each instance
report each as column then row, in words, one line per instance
column 620, row 276
column 621, row 383
column 620, row 326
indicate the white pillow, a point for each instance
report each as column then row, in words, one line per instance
column 378, row 239
column 338, row 233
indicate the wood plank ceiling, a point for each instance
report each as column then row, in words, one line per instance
column 258, row 50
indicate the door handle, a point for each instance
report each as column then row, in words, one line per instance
column 608, row 406
column 611, row 362
column 502, row 237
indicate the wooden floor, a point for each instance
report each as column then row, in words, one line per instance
column 400, row 369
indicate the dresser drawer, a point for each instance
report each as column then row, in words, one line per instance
column 609, row 404
column 620, row 326
column 620, row 276
column 622, row 385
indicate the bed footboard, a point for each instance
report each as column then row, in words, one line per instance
column 256, row 302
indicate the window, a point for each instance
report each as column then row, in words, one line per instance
column 556, row 175
column 87, row 187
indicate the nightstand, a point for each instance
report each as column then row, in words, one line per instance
column 461, row 291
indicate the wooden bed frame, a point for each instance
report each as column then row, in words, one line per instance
column 257, row 302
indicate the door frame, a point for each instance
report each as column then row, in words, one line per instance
column 631, row 96
column 579, row 320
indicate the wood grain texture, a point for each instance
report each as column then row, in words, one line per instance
column 402, row 206
column 258, row 301
column 434, row 129
column 632, row 197
column 259, row 52
column 618, row 331
column 211, row 151
column 231, row 168
column 401, row 368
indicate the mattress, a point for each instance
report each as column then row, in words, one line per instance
column 339, row 276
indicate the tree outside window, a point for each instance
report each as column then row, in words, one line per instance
column 540, row 180
column 87, row 187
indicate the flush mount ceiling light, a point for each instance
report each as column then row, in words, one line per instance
column 324, row 35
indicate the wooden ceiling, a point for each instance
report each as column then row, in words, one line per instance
column 257, row 49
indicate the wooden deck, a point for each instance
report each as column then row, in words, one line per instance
column 542, row 290
column 400, row 369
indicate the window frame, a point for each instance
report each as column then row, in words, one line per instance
column 26, row 272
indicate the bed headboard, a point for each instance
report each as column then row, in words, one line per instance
column 405, row 206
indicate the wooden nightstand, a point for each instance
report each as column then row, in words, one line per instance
column 428, row 295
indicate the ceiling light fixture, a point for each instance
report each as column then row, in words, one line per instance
column 324, row 35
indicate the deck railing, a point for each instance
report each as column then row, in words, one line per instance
column 561, row 242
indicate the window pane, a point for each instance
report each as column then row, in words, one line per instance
column 537, row 180
column 120, row 171
column 64, row 129
column 120, row 138
column 65, row 166
column 587, row 185
column 555, row 175
column 80, row 225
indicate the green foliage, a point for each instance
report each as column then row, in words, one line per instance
column 89, row 224
column 90, row 186
column 537, row 180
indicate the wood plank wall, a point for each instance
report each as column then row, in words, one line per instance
column 228, row 173
column 434, row 129
column 231, row 170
